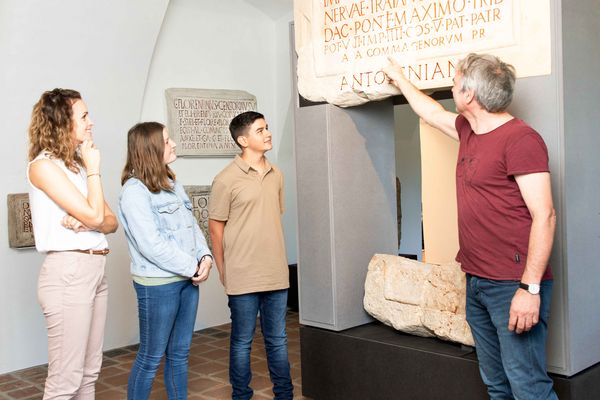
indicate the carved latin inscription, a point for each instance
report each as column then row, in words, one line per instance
column 199, row 119
column 343, row 44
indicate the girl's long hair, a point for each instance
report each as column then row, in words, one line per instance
column 51, row 127
column 145, row 157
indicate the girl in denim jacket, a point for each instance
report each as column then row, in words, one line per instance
column 169, row 258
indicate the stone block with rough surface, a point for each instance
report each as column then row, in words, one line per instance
column 418, row 298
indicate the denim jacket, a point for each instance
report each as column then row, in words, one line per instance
column 163, row 236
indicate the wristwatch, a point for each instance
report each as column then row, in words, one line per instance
column 533, row 288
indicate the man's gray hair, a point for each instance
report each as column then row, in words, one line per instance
column 491, row 80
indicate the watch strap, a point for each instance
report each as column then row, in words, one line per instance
column 532, row 288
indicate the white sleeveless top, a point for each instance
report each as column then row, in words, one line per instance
column 46, row 216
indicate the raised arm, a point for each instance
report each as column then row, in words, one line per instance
column 109, row 225
column 216, row 230
column 91, row 211
column 424, row 106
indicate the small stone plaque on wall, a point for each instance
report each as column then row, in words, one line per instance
column 20, row 229
column 199, row 196
column 198, row 120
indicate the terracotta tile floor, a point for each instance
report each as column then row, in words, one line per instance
column 208, row 370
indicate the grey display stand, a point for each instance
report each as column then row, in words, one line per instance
column 347, row 207
column 346, row 202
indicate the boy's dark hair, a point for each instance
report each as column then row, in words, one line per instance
column 240, row 123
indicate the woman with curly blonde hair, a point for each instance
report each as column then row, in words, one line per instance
column 70, row 218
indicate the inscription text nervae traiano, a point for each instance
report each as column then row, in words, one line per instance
column 355, row 30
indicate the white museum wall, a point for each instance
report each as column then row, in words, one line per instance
column 105, row 50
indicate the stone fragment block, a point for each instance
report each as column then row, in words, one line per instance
column 418, row 298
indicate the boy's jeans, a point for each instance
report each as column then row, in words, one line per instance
column 244, row 310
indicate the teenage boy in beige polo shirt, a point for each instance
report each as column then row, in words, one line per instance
column 245, row 210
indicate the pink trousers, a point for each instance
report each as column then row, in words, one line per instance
column 73, row 293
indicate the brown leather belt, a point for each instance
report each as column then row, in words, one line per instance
column 102, row 252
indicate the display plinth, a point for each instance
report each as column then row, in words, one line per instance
column 374, row 361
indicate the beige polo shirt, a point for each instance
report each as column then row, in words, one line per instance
column 254, row 249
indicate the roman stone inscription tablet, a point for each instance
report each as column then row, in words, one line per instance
column 343, row 44
column 20, row 229
column 199, row 196
column 198, row 120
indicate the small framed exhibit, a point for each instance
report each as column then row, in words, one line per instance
column 20, row 229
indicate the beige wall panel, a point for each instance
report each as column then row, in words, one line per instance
column 438, row 165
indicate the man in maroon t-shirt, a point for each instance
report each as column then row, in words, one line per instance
column 506, row 223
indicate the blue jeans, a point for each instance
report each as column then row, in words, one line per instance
column 513, row 366
column 244, row 310
column 167, row 314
